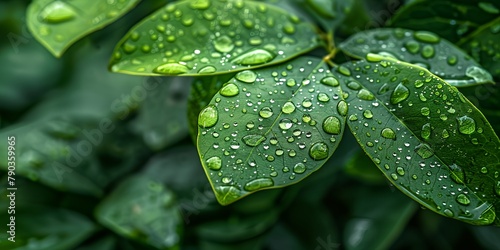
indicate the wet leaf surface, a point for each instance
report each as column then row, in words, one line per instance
column 429, row 141
column 205, row 37
column 57, row 24
column 422, row 48
column 270, row 128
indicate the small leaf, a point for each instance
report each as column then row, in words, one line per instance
column 273, row 128
column 451, row 19
column 62, row 229
column 483, row 46
column 428, row 140
column 57, row 24
column 422, row 48
column 142, row 209
column 205, row 37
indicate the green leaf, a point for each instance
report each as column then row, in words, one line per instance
column 270, row 128
column 162, row 117
column 422, row 48
column 329, row 13
column 451, row 19
column 57, row 24
column 428, row 140
column 201, row 37
column 44, row 228
column 483, row 46
column 202, row 91
column 60, row 163
column 144, row 210
column 376, row 227
column 361, row 167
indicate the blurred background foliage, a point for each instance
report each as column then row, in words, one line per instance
column 105, row 161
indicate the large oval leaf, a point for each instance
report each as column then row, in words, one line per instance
column 57, row 24
column 420, row 47
column 199, row 37
column 430, row 141
column 270, row 128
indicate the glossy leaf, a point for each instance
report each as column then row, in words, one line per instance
column 484, row 47
column 205, row 37
column 270, row 128
column 144, row 210
column 62, row 229
column 427, row 139
column 57, row 24
column 422, row 48
column 452, row 19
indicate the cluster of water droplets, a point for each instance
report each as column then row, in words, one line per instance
column 420, row 48
column 402, row 117
column 207, row 36
column 271, row 127
column 53, row 19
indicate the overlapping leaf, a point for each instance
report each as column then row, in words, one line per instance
column 452, row 19
column 483, row 45
column 199, row 37
column 57, row 24
column 270, row 128
column 420, row 47
column 142, row 209
column 429, row 141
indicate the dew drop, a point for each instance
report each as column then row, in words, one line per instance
column 463, row 199
column 229, row 90
column 412, row 46
column 246, row 76
column 428, row 51
column 57, row 12
column 452, row 60
column 253, row 140
column 299, row 168
column 448, row 212
column 223, row 44
column 306, row 103
column 319, row 151
column 257, row 184
column 466, row 125
column 171, row 69
column 424, row 150
column 425, row 111
column 285, row 124
column 366, row 95
column 368, row 114
column 478, row 74
column 208, row 117
column 332, row 125
column 344, row 71
column 400, row 94
column 388, row 133
column 254, row 57
column 323, row 97
column 330, row 81
column 288, row 108
column 425, row 36
column 266, row 112
column 342, row 108
column 207, row 69
column 214, row 163
column 200, row 4
column 400, row 171
column 426, row 131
